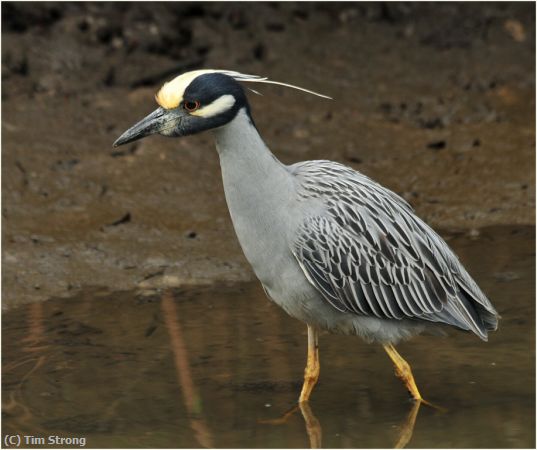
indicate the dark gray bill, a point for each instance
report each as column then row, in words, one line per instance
column 151, row 124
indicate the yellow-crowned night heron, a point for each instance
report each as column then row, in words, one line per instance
column 333, row 248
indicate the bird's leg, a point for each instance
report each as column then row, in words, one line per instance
column 403, row 371
column 313, row 367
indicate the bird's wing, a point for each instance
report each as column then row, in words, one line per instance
column 368, row 253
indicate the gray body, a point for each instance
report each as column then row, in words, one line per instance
column 297, row 223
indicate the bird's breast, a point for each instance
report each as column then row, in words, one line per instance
column 262, row 228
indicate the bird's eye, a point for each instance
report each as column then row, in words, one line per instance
column 191, row 106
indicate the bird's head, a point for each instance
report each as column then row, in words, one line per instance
column 194, row 102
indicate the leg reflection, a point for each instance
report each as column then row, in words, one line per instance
column 314, row 429
column 407, row 428
column 281, row 420
column 313, row 426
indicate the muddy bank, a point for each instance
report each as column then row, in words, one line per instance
column 434, row 101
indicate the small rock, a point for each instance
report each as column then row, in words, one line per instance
column 301, row 133
column 348, row 15
column 10, row 258
column 515, row 29
column 474, row 233
column 171, row 280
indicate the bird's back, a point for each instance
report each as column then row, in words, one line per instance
column 368, row 254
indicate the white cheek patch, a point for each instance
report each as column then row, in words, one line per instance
column 220, row 105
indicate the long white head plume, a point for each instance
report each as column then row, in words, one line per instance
column 258, row 79
column 171, row 93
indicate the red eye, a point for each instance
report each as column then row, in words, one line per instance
column 191, row 106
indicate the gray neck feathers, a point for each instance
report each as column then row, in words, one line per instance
column 239, row 142
column 256, row 184
column 247, row 163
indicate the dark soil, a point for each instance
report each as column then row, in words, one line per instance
column 436, row 101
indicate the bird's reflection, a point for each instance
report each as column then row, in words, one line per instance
column 407, row 427
column 315, row 432
column 313, row 426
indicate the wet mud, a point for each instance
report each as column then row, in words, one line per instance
column 217, row 366
column 435, row 101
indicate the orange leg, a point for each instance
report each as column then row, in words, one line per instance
column 311, row 373
column 403, row 371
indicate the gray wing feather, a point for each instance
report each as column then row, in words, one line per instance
column 369, row 254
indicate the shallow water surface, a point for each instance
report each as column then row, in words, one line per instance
column 209, row 367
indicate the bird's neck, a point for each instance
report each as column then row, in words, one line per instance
column 246, row 162
column 257, row 186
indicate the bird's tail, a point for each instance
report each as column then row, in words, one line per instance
column 468, row 314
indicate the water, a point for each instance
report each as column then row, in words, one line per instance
column 209, row 367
